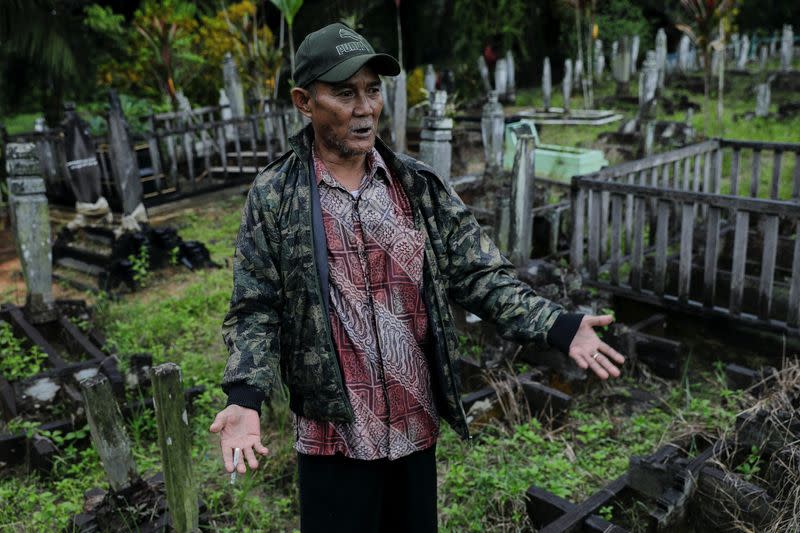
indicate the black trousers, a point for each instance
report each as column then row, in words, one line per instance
column 348, row 495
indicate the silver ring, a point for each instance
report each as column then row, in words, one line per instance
column 596, row 355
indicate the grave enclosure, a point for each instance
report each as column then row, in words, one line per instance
column 709, row 229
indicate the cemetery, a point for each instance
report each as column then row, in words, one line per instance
column 633, row 158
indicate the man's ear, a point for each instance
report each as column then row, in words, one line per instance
column 301, row 98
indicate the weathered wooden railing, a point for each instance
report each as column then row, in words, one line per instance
column 228, row 149
column 178, row 155
column 660, row 231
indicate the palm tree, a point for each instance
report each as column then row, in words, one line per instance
column 40, row 35
column 289, row 9
column 703, row 18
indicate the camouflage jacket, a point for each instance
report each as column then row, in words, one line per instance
column 278, row 322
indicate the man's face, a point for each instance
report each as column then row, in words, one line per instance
column 345, row 115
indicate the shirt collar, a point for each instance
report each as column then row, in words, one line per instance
column 375, row 166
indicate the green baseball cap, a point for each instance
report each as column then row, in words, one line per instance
column 336, row 52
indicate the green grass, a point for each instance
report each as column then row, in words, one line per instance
column 482, row 484
column 177, row 318
column 19, row 123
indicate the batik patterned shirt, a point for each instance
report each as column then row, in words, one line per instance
column 378, row 320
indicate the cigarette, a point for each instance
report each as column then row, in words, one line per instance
column 237, row 454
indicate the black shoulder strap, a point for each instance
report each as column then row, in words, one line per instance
column 318, row 233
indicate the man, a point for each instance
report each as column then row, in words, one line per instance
column 345, row 259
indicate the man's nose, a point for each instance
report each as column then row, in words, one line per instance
column 364, row 105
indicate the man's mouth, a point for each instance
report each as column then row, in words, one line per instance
column 362, row 132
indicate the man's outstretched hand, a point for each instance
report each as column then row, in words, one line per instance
column 239, row 427
column 589, row 351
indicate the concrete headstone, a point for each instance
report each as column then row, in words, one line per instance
column 744, row 54
column 661, row 55
column 635, row 43
column 547, row 83
column 763, row 56
column 233, row 85
column 683, row 54
column 430, row 80
column 435, row 138
column 492, row 129
column 501, row 78
column 787, row 48
column 124, row 165
column 484, row 70
column 762, row 99
column 566, row 83
column 30, row 221
column 599, row 60
column 511, row 89
column 226, row 113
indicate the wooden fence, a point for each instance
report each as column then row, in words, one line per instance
column 180, row 154
column 692, row 230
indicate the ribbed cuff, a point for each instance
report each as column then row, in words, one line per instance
column 563, row 331
column 246, row 396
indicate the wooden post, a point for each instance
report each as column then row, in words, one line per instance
column 522, row 187
column 174, row 439
column 108, row 432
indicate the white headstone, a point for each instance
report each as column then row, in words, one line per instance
column 492, row 130
column 634, row 53
column 787, row 48
column 430, row 79
column 233, row 85
column 762, row 99
column 484, row 70
column 566, row 84
column 501, row 78
column 511, row 89
column 736, row 44
column 226, row 113
column 648, row 79
column 683, row 54
column 577, row 75
column 763, row 57
column 435, row 138
column 547, row 83
column 744, row 54
column 661, row 55
column 599, row 60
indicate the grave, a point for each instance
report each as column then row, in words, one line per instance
column 91, row 251
column 552, row 161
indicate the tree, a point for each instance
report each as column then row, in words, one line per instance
column 584, row 10
column 703, row 18
column 235, row 29
column 168, row 27
column 289, row 9
column 41, row 47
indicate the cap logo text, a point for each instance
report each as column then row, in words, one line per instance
column 356, row 45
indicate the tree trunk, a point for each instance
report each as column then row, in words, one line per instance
column 399, row 39
column 291, row 49
column 721, row 81
column 278, row 74
column 580, row 53
column 706, row 87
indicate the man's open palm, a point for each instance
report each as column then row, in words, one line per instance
column 239, row 427
column 589, row 351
